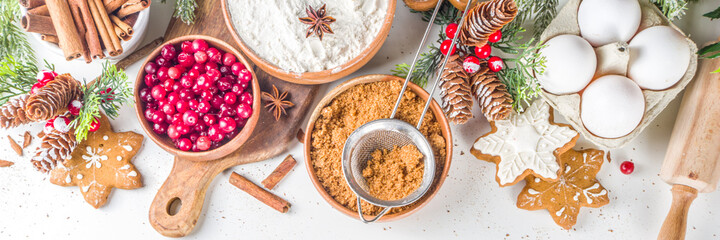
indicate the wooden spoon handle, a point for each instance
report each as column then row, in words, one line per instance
column 676, row 221
column 186, row 186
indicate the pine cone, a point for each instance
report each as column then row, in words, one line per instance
column 55, row 148
column 455, row 91
column 491, row 94
column 12, row 114
column 53, row 99
column 485, row 19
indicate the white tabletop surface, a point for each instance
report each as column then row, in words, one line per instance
column 469, row 205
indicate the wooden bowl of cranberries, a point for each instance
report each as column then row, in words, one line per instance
column 197, row 98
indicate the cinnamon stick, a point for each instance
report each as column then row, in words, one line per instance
column 259, row 193
column 92, row 37
column 279, row 173
column 38, row 24
column 50, row 38
column 121, row 34
column 132, row 6
column 79, row 24
column 112, row 5
column 109, row 26
column 31, row 3
column 41, row 10
column 15, row 146
column 66, row 31
column 123, row 26
column 140, row 53
column 102, row 30
column 4, row 163
column 130, row 20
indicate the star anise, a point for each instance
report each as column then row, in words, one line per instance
column 276, row 102
column 319, row 23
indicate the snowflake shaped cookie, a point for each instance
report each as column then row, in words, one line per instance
column 576, row 187
column 100, row 163
column 525, row 144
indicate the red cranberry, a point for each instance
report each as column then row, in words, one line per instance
column 199, row 67
column 237, row 67
column 177, row 119
column 246, row 98
column 173, row 97
column 199, row 45
column 145, row 95
column 200, row 57
column 216, row 101
column 162, row 102
column 158, row 116
column 168, row 84
column 203, row 107
column 176, row 87
column 162, row 62
column 184, row 144
column 172, row 132
column 186, row 82
column 186, row 59
column 244, row 110
column 203, row 143
column 245, row 76
column 212, row 89
column 168, row 109
column 190, row 118
column 186, row 46
column 185, row 94
column 194, row 136
column 151, row 80
column 193, row 74
column 215, row 133
column 224, row 84
column 151, row 68
column 229, row 59
column 225, row 70
column 168, row 51
column 160, row 128
column 162, row 73
column 240, row 122
column 227, row 124
column 227, row 110
column 193, row 104
column 627, row 167
column 230, row 98
column 158, row 92
column 174, row 72
column 182, row 129
column 204, row 82
column 206, row 95
column 214, row 74
column 237, row 89
column 182, row 106
column 149, row 114
column 200, row 127
column 214, row 55
column 231, row 135
column 209, row 119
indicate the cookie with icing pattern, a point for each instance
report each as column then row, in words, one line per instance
column 576, row 187
column 525, row 144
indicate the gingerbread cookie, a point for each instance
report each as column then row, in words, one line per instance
column 525, row 144
column 576, row 187
column 100, row 163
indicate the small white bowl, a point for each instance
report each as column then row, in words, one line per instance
column 128, row 47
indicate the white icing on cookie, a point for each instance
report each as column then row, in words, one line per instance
column 67, row 179
column 93, row 158
column 132, row 174
column 79, row 176
column 560, row 212
column 105, row 137
column 533, row 192
column 526, row 141
column 128, row 148
column 119, row 158
column 588, row 194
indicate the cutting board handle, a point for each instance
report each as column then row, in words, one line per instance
column 186, row 185
column 676, row 221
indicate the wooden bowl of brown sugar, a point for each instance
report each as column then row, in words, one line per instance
column 352, row 104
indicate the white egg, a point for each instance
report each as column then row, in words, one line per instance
column 608, row 21
column 659, row 57
column 612, row 106
column 570, row 64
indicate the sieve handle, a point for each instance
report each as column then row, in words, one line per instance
column 362, row 217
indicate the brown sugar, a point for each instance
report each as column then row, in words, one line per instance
column 348, row 111
column 394, row 174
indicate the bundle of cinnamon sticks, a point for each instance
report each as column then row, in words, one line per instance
column 86, row 28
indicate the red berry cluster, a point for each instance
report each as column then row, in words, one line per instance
column 472, row 63
column 43, row 78
column 197, row 95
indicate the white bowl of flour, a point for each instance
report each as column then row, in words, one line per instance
column 273, row 37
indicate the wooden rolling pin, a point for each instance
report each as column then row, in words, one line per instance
column 692, row 162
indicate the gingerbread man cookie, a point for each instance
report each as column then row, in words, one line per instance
column 576, row 187
column 525, row 144
column 100, row 163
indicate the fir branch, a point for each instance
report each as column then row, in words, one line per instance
column 672, row 9
column 185, row 10
column 520, row 77
column 715, row 14
column 12, row 39
column 16, row 78
column 447, row 14
column 425, row 68
column 109, row 92
column 541, row 12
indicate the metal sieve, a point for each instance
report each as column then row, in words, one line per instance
column 387, row 133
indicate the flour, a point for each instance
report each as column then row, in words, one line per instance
column 271, row 28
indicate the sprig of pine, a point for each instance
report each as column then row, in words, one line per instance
column 12, row 39
column 185, row 10
column 715, row 14
column 428, row 62
column 541, row 12
column 447, row 14
column 672, row 9
column 96, row 97
column 520, row 78
column 16, row 78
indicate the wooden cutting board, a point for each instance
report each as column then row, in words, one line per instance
column 188, row 180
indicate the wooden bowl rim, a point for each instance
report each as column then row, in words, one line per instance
column 325, row 76
column 163, row 141
column 439, row 115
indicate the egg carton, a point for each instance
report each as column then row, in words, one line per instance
column 613, row 59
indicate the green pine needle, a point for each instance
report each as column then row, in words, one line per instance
column 447, row 14
column 520, row 79
column 18, row 67
column 185, row 10
column 96, row 97
column 715, row 14
column 672, row 9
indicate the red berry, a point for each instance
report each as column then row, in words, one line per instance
column 471, row 64
column 168, row 52
column 214, row 55
column 244, row 110
column 203, row 106
column 36, row 87
column 49, row 126
column 74, row 107
column 193, row 104
column 495, row 37
column 158, row 116
column 172, row 132
column 162, row 62
column 203, row 143
column 176, row 119
column 483, row 52
column 229, row 59
column 199, row 45
column 184, row 144
column 149, row 114
column 168, row 85
column 246, row 98
column 186, row 59
column 627, row 167
column 158, row 92
column 62, row 124
column 190, row 118
column 215, row 133
column 495, row 63
column 145, row 95
column 445, row 46
column 245, row 76
column 224, row 84
column 94, row 126
column 168, row 109
column 162, row 73
column 151, row 80
column 160, row 128
column 186, row 46
column 211, row 65
column 182, row 129
column 237, row 67
column 201, row 57
column 451, row 29
column 227, row 124
column 214, row 74
column 45, row 76
column 230, row 98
